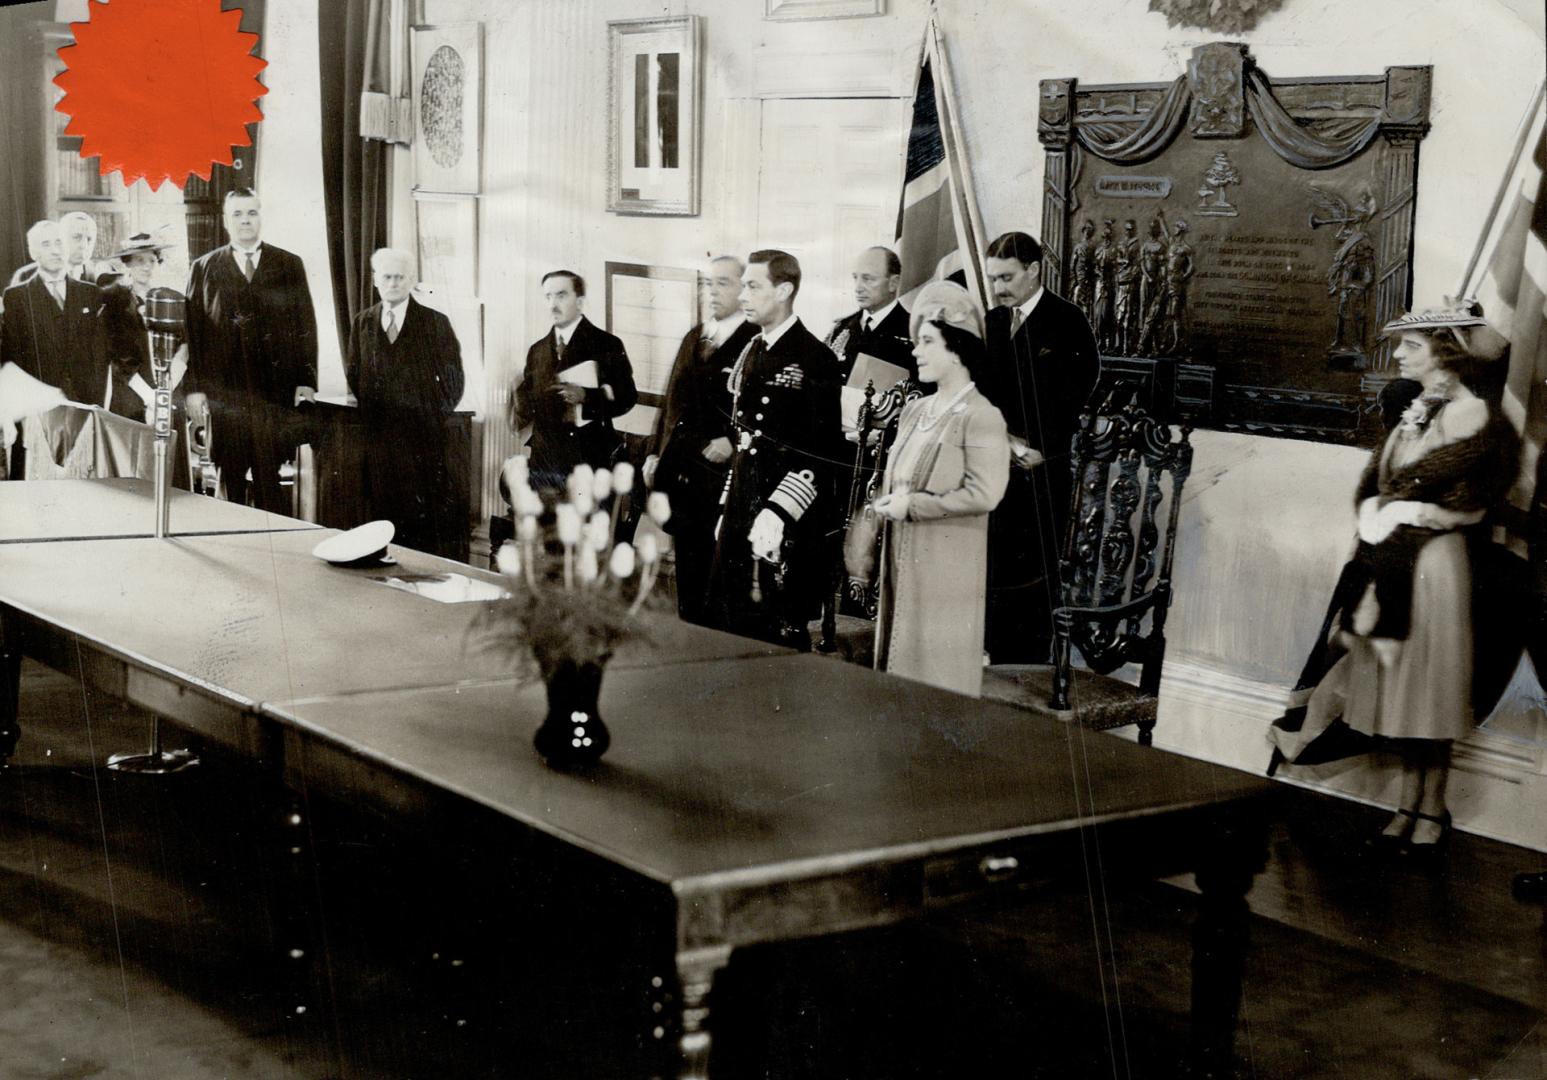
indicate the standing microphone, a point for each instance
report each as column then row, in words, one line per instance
column 165, row 317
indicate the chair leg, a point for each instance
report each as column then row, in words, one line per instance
column 1061, row 673
column 1146, row 733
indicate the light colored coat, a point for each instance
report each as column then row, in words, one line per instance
column 934, row 565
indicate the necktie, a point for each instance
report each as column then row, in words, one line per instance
column 1016, row 318
column 56, row 289
column 391, row 326
column 250, row 267
column 864, row 323
column 705, row 346
column 558, row 346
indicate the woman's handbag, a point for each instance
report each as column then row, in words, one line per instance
column 860, row 543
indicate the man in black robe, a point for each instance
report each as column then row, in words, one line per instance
column 252, row 354
column 1042, row 367
column 691, row 447
column 405, row 371
column 771, row 558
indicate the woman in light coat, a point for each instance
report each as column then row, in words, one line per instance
column 948, row 468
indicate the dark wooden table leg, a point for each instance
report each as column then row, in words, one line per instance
column 1220, row 938
column 696, row 970
column 10, row 686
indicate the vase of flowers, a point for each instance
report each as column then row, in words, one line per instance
column 575, row 594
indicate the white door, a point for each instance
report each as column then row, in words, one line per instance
column 830, row 185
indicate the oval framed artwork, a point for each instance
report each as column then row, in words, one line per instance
column 448, row 94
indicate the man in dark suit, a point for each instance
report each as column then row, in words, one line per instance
column 1042, row 367
column 880, row 327
column 780, row 502
column 252, row 354
column 50, row 328
column 691, row 447
column 79, row 230
column 577, row 379
column 405, row 371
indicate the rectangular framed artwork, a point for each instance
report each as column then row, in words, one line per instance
column 653, row 114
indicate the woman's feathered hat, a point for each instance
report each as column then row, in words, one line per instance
column 947, row 303
column 139, row 244
column 1460, row 317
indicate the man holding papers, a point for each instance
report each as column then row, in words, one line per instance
column 577, row 379
column 879, row 329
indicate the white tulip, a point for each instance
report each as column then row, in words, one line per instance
column 623, row 478
column 508, row 559
column 526, row 528
column 649, row 550
column 622, row 564
column 601, row 484
column 659, row 507
column 599, row 530
column 568, row 519
column 586, row 565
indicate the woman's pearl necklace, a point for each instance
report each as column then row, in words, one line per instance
column 932, row 417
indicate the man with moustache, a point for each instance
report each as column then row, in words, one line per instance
column 80, row 244
column 571, row 412
column 880, row 327
column 779, row 505
column 50, row 328
column 1042, row 368
column 252, row 354
column 405, row 370
column 691, row 448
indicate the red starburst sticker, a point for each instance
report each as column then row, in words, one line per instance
column 160, row 88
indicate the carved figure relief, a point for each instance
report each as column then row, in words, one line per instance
column 1351, row 273
column 1104, row 260
column 1125, row 292
column 1152, row 265
column 1166, row 333
column 1082, row 272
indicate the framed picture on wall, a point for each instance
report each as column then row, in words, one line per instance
column 446, row 238
column 653, row 113
column 448, row 107
column 651, row 309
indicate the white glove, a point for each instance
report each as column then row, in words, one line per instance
column 766, row 535
column 648, row 472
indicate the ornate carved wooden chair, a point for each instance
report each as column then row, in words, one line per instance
column 1115, row 569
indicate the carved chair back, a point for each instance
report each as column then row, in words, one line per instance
column 1129, row 471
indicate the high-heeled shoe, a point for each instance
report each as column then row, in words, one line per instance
column 1428, row 854
column 1384, row 843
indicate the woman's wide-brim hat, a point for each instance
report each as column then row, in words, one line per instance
column 139, row 244
column 1463, row 319
column 949, row 304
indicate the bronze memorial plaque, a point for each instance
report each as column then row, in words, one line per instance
column 1237, row 241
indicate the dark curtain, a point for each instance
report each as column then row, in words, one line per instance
column 352, row 35
column 24, row 112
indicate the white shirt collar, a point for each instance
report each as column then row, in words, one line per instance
column 239, row 255
column 1031, row 303
column 771, row 337
column 399, row 312
column 53, row 279
column 718, row 330
column 564, row 333
column 877, row 316
column 76, row 272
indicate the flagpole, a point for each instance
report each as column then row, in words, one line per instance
column 1526, row 124
column 964, row 205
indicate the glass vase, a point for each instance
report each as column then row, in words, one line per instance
column 573, row 733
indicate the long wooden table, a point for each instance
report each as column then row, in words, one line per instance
column 751, row 795
column 38, row 510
